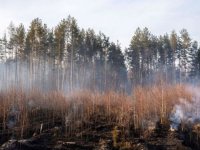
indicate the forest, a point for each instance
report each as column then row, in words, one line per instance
column 72, row 88
column 82, row 58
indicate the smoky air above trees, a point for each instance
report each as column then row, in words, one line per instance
column 68, row 57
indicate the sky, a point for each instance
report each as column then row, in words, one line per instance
column 118, row 19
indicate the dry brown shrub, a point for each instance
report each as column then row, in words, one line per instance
column 82, row 111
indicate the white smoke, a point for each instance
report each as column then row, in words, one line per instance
column 13, row 117
column 176, row 117
column 186, row 112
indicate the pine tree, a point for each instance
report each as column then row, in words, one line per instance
column 37, row 36
column 90, row 41
column 117, row 66
column 169, row 58
column 59, row 33
column 162, row 53
column 185, row 46
column 174, row 49
column 51, row 44
column 192, row 59
column 20, row 39
column 146, row 54
column 12, row 36
column 197, row 64
column 133, row 55
column 173, row 45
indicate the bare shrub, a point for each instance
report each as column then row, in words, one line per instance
column 26, row 113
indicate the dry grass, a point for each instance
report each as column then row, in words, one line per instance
column 85, row 111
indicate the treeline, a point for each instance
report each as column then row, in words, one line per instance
column 174, row 57
column 71, row 57
column 68, row 57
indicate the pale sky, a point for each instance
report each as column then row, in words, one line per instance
column 118, row 19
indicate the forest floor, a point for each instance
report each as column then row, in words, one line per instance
column 160, row 138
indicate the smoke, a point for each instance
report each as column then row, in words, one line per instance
column 12, row 117
column 50, row 75
column 41, row 75
column 176, row 117
column 187, row 111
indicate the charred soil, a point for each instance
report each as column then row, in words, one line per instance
column 105, row 137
